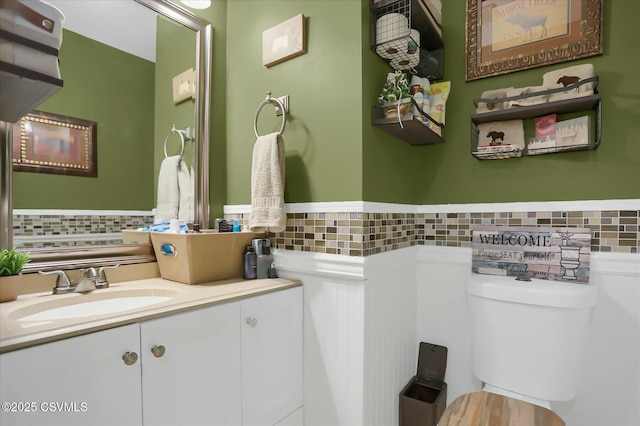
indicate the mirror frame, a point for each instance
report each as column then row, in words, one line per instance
column 77, row 257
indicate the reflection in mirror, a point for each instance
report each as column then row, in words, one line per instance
column 129, row 92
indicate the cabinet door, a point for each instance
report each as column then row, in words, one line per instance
column 78, row 381
column 294, row 419
column 196, row 380
column 271, row 356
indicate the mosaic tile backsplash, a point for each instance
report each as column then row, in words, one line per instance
column 56, row 224
column 365, row 234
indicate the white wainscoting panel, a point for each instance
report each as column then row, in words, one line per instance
column 359, row 334
column 390, row 348
column 442, row 311
column 609, row 388
column 333, row 337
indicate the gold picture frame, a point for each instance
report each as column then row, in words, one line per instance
column 52, row 143
column 504, row 36
column 284, row 41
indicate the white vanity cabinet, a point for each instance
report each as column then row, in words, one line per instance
column 191, row 368
column 271, row 357
column 235, row 363
column 79, row 381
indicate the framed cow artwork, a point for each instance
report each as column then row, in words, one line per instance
column 504, row 36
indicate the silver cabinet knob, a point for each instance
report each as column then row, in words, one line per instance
column 130, row 358
column 252, row 321
column 158, row 351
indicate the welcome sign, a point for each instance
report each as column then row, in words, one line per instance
column 558, row 254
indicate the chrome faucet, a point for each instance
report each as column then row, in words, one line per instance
column 63, row 285
column 92, row 279
column 100, row 279
column 87, row 281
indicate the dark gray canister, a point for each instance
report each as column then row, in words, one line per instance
column 249, row 264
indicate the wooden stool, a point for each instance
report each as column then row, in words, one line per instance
column 490, row 409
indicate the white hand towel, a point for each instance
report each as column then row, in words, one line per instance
column 267, row 185
column 168, row 191
column 185, row 185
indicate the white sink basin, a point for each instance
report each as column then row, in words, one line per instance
column 95, row 304
column 98, row 307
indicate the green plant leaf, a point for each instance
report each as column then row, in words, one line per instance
column 12, row 261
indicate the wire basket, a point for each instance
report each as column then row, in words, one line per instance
column 498, row 152
column 395, row 38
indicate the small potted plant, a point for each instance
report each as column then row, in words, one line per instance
column 11, row 263
column 395, row 97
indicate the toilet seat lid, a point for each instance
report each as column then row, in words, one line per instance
column 483, row 406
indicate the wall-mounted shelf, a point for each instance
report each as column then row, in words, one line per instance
column 393, row 40
column 408, row 128
column 589, row 103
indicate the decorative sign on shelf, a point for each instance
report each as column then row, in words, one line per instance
column 557, row 254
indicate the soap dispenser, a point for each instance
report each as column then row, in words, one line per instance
column 265, row 258
column 264, row 262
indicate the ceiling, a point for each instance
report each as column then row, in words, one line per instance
column 125, row 25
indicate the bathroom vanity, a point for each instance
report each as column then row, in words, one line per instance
column 229, row 353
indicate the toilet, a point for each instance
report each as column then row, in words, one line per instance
column 527, row 342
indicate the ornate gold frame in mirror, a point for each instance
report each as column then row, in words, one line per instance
column 77, row 257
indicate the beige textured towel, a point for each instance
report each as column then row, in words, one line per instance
column 567, row 76
column 492, row 94
column 267, row 185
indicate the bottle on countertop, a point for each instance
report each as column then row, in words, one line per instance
column 174, row 226
column 249, row 264
column 272, row 272
column 264, row 263
column 262, row 247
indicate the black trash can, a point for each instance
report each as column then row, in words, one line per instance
column 424, row 398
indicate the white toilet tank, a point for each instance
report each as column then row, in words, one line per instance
column 527, row 337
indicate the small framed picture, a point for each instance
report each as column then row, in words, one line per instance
column 284, row 41
column 51, row 143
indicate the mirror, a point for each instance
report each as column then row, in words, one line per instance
column 196, row 152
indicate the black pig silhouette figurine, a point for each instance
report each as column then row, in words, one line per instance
column 494, row 135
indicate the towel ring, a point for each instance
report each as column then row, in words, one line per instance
column 277, row 103
column 184, row 136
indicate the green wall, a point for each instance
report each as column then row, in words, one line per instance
column 391, row 168
column 323, row 136
column 114, row 89
column 449, row 174
column 175, row 53
column 335, row 154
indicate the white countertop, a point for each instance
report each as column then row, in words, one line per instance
column 17, row 334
